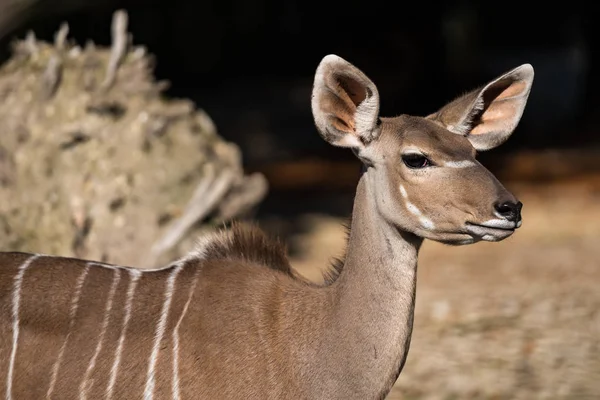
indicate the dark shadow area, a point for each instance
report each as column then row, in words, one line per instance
column 250, row 66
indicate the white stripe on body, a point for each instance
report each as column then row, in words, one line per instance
column 16, row 302
column 160, row 330
column 175, row 381
column 72, row 315
column 85, row 385
column 135, row 276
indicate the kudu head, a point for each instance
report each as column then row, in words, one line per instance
column 422, row 171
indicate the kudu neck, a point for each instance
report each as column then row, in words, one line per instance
column 376, row 248
column 375, row 294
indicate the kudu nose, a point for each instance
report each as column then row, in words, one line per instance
column 509, row 210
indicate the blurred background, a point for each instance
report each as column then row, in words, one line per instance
column 518, row 319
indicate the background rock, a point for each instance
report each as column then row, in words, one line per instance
column 95, row 162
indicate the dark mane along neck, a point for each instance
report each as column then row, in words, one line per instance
column 245, row 242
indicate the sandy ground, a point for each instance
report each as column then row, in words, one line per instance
column 519, row 319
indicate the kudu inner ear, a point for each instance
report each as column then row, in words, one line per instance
column 488, row 116
column 342, row 104
column 345, row 104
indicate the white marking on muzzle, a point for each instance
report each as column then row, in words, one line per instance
column 426, row 222
column 499, row 223
column 403, row 192
column 486, row 231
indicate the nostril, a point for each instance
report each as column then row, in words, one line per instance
column 506, row 208
column 519, row 207
column 509, row 210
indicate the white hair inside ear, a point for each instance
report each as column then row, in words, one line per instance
column 345, row 103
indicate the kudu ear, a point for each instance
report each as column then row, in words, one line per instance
column 488, row 116
column 345, row 104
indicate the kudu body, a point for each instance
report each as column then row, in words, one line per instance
column 232, row 320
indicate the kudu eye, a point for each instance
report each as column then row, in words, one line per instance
column 415, row 161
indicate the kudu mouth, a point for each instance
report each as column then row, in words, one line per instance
column 508, row 220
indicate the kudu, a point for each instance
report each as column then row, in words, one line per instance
column 232, row 320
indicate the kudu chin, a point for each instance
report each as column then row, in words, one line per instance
column 232, row 320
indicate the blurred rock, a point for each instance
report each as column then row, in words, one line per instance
column 95, row 162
